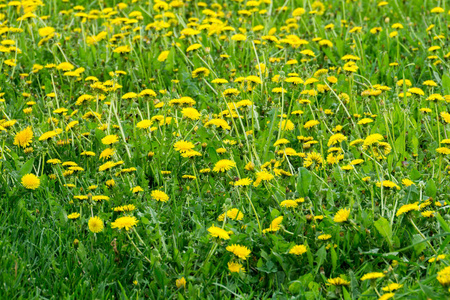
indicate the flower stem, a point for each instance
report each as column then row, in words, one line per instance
column 140, row 252
column 254, row 211
column 418, row 230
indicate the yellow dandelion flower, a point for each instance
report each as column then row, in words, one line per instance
column 240, row 251
column 124, row 222
column 342, row 215
column 372, row 275
column 224, row 165
column 24, row 138
column 218, row 232
column 159, row 196
column 31, row 181
column 298, row 250
column 110, row 139
column 96, row 224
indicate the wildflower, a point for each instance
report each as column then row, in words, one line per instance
column 183, row 146
column 356, row 162
column 438, row 258
column 200, row 72
column 190, row 153
column 110, row 139
column 238, row 37
column 107, row 153
column 392, row 287
column 264, row 175
column 444, row 276
column 220, row 123
column 100, row 198
column 235, row 267
column 231, row 92
column 144, row 124
column 373, row 275
column 110, row 183
column 31, row 181
column 428, row 214
column 96, row 224
column 311, row 124
column 372, row 139
column 338, row 281
column 73, row 216
column 336, row 138
column 386, row 296
column 65, row 66
column 388, row 184
column 224, row 165
column 342, row 215
column 435, row 97
column 298, row 250
column 159, row 196
column 289, row 203
column 193, row 47
column 124, row 222
column 274, row 225
column 122, row 49
column 298, row 12
column 446, row 117
column 416, row 91
column 407, row 182
column 191, row 113
column 365, row 121
column 180, row 283
column 47, row 135
column 218, row 232
column 324, row 237
column 46, row 31
column 24, row 138
column 281, row 142
column 313, row 158
column 407, row 208
column 443, row 150
column 233, row 214
column 240, row 251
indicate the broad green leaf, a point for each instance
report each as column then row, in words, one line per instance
column 417, row 238
column 346, row 294
column 303, row 181
column 430, row 188
column 415, row 144
column 446, row 83
column 334, row 258
column 415, row 174
column 295, row 287
column 321, row 256
column 443, row 223
column 274, row 213
column 27, row 167
column 384, row 228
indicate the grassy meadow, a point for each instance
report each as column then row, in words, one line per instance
column 224, row 149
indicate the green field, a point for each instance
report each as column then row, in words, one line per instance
column 264, row 149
